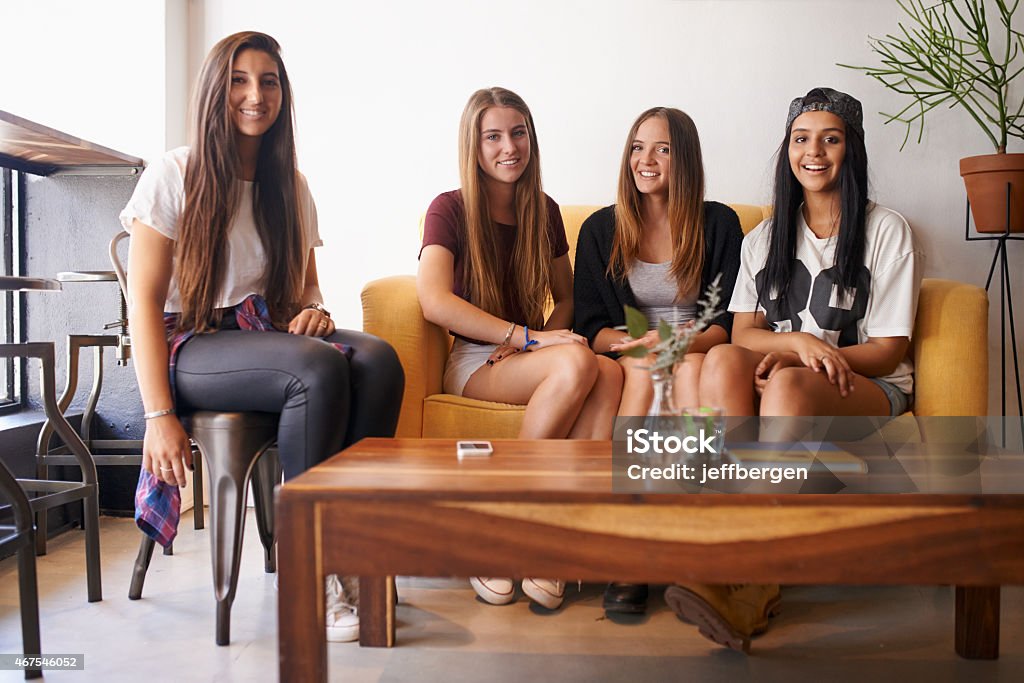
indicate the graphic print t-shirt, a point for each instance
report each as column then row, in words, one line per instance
column 882, row 304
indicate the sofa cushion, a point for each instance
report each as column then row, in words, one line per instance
column 458, row 417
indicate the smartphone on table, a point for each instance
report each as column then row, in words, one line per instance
column 473, row 449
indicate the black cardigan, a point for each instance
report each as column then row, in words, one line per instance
column 598, row 299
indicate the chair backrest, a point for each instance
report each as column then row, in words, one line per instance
column 573, row 216
column 950, row 349
column 115, row 261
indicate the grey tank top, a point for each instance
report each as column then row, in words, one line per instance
column 655, row 292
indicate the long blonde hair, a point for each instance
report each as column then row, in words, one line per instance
column 685, row 204
column 528, row 278
column 212, row 193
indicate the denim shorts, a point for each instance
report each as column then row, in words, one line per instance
column 899, row 402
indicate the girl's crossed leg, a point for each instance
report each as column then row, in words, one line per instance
column 568, row 391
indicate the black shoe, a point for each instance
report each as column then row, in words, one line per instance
column 625, row 598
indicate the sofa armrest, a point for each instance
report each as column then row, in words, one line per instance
column 950, row 349
column 391, row 311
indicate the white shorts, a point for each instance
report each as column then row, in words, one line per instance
column 465, row 359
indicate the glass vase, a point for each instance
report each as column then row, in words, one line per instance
column 663, row 417
column 663, row 404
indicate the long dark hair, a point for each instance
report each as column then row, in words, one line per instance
column 212, row 193
column 528, row 276
column 685, row 203
column 786, row 199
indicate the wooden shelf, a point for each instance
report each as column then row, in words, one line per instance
column 33, row 148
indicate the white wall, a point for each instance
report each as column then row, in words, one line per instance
column 379, row 88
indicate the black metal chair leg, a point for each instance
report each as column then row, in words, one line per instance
column 198, row 515
column 29, row 595
column 27, row 584
column 40, row 542
column 168, row 549
column 141, row 567
column 265, row 476
column 91, row 521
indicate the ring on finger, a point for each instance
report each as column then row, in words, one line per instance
column 166, row 469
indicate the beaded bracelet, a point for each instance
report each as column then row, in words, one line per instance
column 529, row 342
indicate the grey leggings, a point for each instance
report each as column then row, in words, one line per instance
column 326, row 401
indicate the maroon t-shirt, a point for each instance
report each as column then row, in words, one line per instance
column 445, row 225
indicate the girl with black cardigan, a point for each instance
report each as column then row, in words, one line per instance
column 656, row 249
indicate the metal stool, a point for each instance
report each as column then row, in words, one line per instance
column 236, row 447
column 53, row 493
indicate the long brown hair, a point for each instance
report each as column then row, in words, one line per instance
column 685, row 203
column 528, row 280
column 212, row 193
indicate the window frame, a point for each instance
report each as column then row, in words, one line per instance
column 12, row 385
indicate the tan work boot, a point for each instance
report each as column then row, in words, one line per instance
column 726, row 614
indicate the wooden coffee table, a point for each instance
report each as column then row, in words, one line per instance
column 387, row 507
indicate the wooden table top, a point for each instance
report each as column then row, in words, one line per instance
column 35, row 148
column 413, row 466
column 581, row 471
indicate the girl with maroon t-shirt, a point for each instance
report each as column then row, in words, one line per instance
column 493, row 252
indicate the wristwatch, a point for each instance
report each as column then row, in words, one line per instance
column 318, row 308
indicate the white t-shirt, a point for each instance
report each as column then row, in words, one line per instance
column 159, row 199
column 883, row 303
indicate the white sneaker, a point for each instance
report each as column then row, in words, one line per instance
column 342, row 609
column 547, row 593
column 496, row 591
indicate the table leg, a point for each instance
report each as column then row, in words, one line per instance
column 377, row 611
column 977, row 622
column 302, row 639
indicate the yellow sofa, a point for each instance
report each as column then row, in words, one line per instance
column 950, row 350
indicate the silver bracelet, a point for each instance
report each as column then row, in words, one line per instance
column 509, row 333
column 158, row 413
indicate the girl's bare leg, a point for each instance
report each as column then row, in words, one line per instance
column 637, row 391
column 727, row 379
column 686, row 384
column 802, row 391
column 553, row 383
column 597, row 417
column 795, row 395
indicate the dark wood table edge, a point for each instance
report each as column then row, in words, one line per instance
column 302, row 639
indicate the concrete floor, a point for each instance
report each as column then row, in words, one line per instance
column 445, row 634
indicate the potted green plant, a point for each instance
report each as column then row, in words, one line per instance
column 946, row 51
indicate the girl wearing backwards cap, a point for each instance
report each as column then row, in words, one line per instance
column 823, row 312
